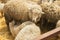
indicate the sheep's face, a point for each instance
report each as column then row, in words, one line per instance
column 35, row 15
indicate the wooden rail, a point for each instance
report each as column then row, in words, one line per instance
column 50, row 34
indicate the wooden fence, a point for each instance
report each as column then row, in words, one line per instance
column 50, row 34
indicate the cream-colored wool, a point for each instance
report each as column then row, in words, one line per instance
column 29, row 32
column 16, row 28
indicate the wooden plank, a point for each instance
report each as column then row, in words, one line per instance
column 49, row 34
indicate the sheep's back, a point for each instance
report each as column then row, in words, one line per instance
column 16, row 9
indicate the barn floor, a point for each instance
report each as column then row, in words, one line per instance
column 4, row 33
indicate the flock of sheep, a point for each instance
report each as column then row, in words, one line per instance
column 26, row 18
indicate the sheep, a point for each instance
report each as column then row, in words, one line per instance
column 14, row 28
column 25, row 26
column 22, row 11
column 30, row 30
column 53, row 12
column 51, row 16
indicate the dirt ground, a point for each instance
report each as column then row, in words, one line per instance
column 4, row 32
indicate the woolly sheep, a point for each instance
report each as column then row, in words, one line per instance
column 15, row 29
column 22, row 11
column 51, row 16
column 29, row 32
column 53, row 12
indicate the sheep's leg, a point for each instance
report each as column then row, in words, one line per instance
column 11, row 26
column 7, row 20
column 15, row 27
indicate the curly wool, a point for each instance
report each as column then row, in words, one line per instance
column 51, row 16
column 52, row 12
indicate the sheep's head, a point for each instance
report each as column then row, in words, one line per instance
column 35, row 15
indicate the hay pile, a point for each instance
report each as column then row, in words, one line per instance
column 4, row 32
